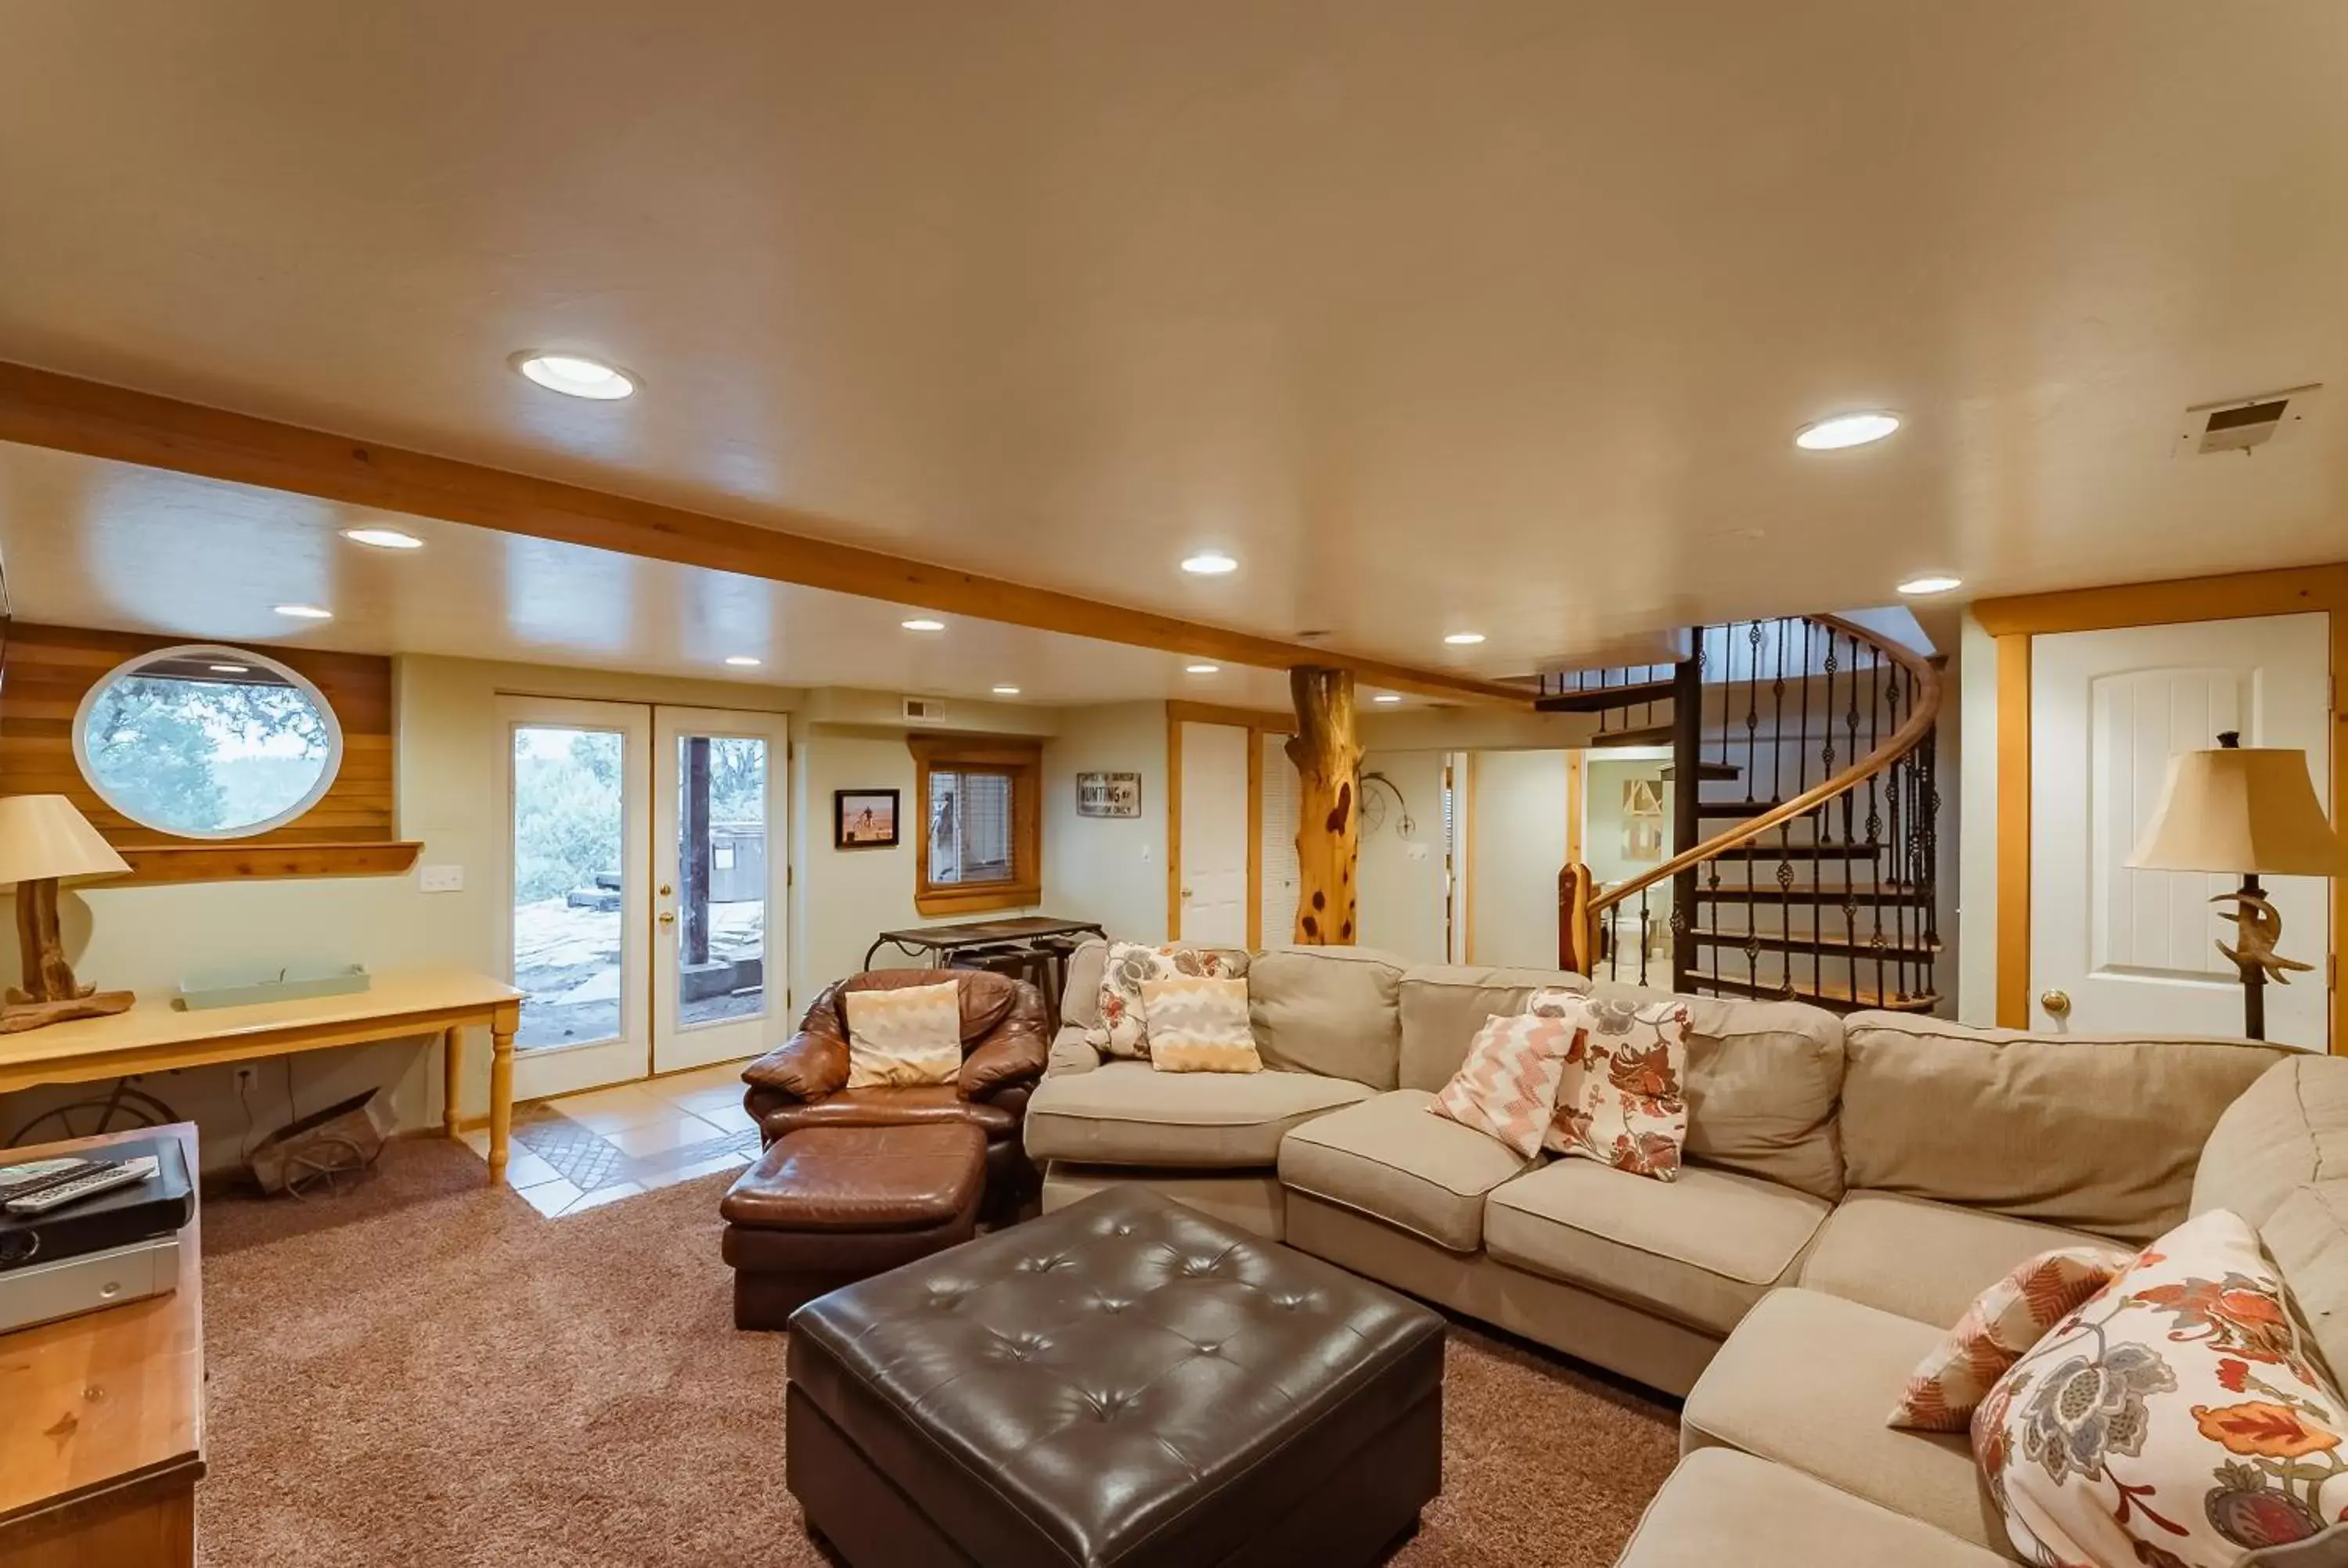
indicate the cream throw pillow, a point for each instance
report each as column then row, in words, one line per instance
column 1620, row 1101
column 911, row 1035
column 1198, row 1024
column 1124, row 1028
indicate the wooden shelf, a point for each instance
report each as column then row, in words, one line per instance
column 237, row 860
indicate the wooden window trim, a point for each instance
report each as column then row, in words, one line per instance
column 1023, row 762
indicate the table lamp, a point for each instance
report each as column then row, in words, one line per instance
column 2247, row 810
column 43, row 840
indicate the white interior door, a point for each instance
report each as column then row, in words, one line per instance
column 719, row 864
column 579, row 841
column 1277, row 919
column 1214, row 879
column 2137, row 950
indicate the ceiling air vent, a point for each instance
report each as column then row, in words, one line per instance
column 924, row 711
column 2244, row 424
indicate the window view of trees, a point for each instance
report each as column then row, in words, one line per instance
column 205, row 755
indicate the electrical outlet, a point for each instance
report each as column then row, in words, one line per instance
column 247, row 1077
column 440, row 878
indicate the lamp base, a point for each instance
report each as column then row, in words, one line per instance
column 15, row 1017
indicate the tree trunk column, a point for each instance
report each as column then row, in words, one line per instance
column 1328, row 758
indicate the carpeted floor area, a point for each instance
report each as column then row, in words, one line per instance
column 424, row 1371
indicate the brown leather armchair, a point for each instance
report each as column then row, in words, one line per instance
column 1005, row 1044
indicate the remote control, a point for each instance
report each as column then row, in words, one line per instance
column 127, row 1173
column 22, row 1180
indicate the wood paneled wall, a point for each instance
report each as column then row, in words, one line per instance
column 45, row 671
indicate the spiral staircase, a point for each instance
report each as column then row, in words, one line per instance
column 1804, row 808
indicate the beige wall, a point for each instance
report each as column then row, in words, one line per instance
column 1109, row 869
column 1401, row 892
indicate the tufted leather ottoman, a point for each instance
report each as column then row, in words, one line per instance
column 824, row 1206
column 1122, row 1382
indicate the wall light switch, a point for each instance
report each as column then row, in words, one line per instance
column 440, row 878
column 1412, row 849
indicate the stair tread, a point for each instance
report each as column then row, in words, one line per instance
column 1644, row 735
column 1826, row 895
column 1829, row 942
column 1803, row 852
column 1723, row 771
column 1599, row 699
column 1833, row 992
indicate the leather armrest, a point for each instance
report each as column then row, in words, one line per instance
column 810, row 1065
column 1071, row 1053
column 1013, row 1052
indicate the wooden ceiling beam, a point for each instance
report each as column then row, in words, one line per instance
column 42, row 409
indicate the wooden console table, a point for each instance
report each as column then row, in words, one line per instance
column 156, row 1037
column 103, row 1440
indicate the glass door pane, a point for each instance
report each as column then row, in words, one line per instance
column 719, row 894
column 574, row 926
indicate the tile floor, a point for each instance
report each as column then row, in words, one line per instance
column 572, row 1152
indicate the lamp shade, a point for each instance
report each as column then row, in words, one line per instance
column 2242, row 810
column 43, row 836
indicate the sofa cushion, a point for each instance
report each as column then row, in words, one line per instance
column 1080, row 984
column 1804, row 1381
column 2290, row 1126
column 2307, row 1237
column 1763, row 1082
column 2102, row 1133
column 1393, row 1159
column 1920, row 1259
column 1331, row 1011
column 1442, row 1005
column 1128, row 1113
column 1700, row 1251
column 1725, row 1506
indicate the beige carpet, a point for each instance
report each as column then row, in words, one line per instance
column 425, row 1372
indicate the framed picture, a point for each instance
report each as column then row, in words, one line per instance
column 863, row 818
column 1108, row 795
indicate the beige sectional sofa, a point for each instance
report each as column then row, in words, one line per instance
column 1850, row 1185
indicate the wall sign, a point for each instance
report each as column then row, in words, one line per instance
column 1108, row 795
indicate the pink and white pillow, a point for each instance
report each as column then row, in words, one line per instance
column 1620, row 1101
column 1507, row 1087
column 1124, row 1028
column 2179, row 1420
column 1998, row 1330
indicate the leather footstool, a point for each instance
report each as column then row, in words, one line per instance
column 1125, row 1383
column 826, row 1207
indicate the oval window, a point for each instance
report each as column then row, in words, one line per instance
column 207, row 742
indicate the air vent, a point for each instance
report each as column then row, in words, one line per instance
column 924, row 711
column 2244, row 424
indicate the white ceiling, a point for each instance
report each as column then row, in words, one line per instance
column 1437, row 314
column 113, row 546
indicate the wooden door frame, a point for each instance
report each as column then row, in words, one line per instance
column 2014, row 621
column 1257, row 722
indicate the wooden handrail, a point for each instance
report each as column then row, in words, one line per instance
column 1901, row 741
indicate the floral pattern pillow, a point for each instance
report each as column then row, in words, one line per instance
column 1621, row 1099
column 1998, row 1330
column 2179, row 1420
column 1123, row 1030
column 1507, row 1088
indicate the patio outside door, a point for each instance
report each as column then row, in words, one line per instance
column 718, row 895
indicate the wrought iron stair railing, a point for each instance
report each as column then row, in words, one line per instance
column 1813, row 737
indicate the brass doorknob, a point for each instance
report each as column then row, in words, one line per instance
column 2056, row 1003
column 668, row 917
column 665, row 889
column 1186, row 891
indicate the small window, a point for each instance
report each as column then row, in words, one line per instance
column 207, row 742
column 980, row 846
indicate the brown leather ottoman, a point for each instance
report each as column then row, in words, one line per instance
column 826, row 1207
column 1124, row 1382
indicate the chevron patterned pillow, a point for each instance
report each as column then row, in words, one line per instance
column 1198, row 1024
column 1508, row 1085
column 1998, row 1330
column 906, row 1036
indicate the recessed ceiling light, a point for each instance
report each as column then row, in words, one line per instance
column 575, row 376
column 383, row 538
column 1209, row 563
column 1931, row 582
column 1464, row 639
column 1387, row 697
column 921, row 623
column 1007, row 691
column 1846, row 430
column 303, row 611
column 743, row 660
column 231, row 669
column 1202, row 669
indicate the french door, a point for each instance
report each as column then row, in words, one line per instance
column 643, row 910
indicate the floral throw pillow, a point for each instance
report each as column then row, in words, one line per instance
column 2001, row 1326
column 2179, row 1420
column 1621, row 1100
column 1507, row 1088
column 1123, row 1030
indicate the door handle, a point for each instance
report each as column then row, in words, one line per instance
column 2056, row 1003
column 1186, row 891
column 666, row 890
column 668, row 917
